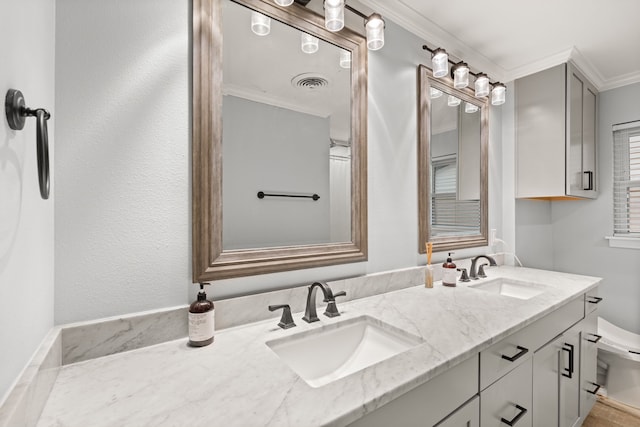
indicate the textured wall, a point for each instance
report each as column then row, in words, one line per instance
column 122, row 211
column 26, row 221
column 579, row 228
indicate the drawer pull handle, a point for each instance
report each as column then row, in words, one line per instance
column 598, row 338
column 569, row 373
column 518, row 355
column 594, row 391
column 594, row 300
column 515, row 419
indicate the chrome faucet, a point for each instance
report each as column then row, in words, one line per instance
column 472, row 271
column 310, row 314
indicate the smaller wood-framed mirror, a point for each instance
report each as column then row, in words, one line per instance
column 453, row 133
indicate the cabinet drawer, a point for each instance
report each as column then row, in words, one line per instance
column 513, row 350
column 429, row 403
column 508, row 399
column 466, row 416
column 591, row 301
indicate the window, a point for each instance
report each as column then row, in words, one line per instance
column 626, row 182
column 448, row 213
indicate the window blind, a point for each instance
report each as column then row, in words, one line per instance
column 448, row 214
column 626, row 180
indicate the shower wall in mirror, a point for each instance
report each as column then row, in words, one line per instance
column 452, row 156
column 279, row 140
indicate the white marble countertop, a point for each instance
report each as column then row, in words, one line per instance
column 239, row 381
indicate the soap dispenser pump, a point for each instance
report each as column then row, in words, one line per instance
column 449, row 276
column 201, row 320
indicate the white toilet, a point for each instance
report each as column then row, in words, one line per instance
column 619, row 353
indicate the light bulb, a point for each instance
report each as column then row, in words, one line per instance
column 498, row 94
column 440, row 63
column 260, row 24
column 374, row 25
column 452, row 101
column 482, row 85
column 434, row 93
column 284, row 2
column 334, row 15
column 460, row 75
column 345, row 59
column 309, row 44
column 470, row 108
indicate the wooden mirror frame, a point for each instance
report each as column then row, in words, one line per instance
column 210, row 261
column 447, row 243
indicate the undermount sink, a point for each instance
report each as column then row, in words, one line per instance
column 510, row 288
column 333, row 351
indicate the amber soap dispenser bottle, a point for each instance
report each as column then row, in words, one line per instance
column 449, row 272
column 201, row 320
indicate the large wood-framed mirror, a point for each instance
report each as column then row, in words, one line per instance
column 453, row 134
column 270, row 118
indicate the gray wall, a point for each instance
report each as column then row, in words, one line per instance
column 123, row 158
column 26, row 221
column 570, row 235
column 262, row 153
column 123, row 211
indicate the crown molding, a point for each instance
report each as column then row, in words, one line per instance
column 418, row 24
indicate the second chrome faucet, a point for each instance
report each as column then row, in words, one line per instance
column 310, row 314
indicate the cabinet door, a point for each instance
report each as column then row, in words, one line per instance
column 546, row 385
column 467, row 416
column 570, row 378
column 575, row 100
column 508, row 400
column 589, row 361
column 581, row 135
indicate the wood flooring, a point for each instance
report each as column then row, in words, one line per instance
column 609, row 413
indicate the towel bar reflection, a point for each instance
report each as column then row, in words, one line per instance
column 262, row 195
column 17, row 112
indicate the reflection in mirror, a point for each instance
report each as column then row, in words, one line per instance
column 286, row 131
column 452, row 165
column 279, row 116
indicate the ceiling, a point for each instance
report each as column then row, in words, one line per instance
column 509, row 39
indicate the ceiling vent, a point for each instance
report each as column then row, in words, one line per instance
column 310, row 81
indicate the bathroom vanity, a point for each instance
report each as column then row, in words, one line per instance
column 451, row 371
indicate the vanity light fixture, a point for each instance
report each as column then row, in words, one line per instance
column 470, row 108
column 345, row 59
column 498, row 94
column 334, row 15
column 460, row 73
column 453, row 101
column 334, row 21
column 482, row 85
column 309, row 43
column 439, row 63
column 260, row 24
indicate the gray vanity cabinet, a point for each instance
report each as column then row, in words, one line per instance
column 556, row 130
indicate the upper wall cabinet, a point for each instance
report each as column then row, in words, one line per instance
column 556, row 117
